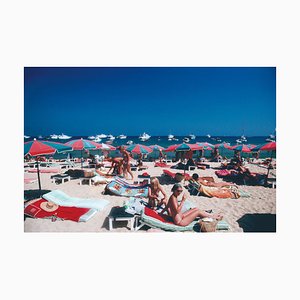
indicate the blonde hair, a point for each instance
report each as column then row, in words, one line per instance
column 155, row 183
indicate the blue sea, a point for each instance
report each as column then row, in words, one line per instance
column 164, row 142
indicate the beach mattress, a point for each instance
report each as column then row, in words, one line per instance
column 173, row 175
column 153, row 219
column 119, row 188
column 60, row 198
column 75, row 214
column 43, row 170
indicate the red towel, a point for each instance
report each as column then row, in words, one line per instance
column 153, row 214
column 67, row 213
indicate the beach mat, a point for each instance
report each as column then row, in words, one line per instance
column 60, row 198
column 119, row 188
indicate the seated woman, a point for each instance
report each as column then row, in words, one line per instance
column 174, row 209
column 153, row 194
column 250, row 177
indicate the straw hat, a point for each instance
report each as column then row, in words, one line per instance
column 48, row 206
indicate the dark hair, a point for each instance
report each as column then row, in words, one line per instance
column 195, row 176
column 176, row 186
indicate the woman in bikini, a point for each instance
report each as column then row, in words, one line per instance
column 184, row 219
column 153, row 194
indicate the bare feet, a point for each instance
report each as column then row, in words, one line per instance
column 217, row 217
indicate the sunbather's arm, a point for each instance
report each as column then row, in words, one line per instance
column 179, row 208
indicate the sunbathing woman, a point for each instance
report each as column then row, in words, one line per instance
column 211, row 183
column 153, row 194
column 184, row 219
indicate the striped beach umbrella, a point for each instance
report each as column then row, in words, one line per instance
column 82, row 144
column 157, row 147
column 139, row 149
column 251, row 146
column 37, row 148
column 206, row 146
column 183, row 147
column 222, row 145
column 268, row 146
column 242, row 148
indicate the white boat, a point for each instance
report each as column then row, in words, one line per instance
column 109, row 142
column 271, row 138
column 186, row 139
column 97, row 139
column 170, row 137
column 64, row 137
column 91, row 137
column 40, row 137
column 243, row 138
column 122, row 137
column 101, row 136
column 110, row 137
column 26, row 136
column 208, row 135
column 144, row 137
column 218, row 140
column 54, row 136
column 238, row 141
column 129, row 142
column 192, row 136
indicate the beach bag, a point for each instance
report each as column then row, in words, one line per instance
column 208, row 225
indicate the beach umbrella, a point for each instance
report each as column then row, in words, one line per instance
column 139, row 149
column 82, row 144
column 222, row 145
column 251, row 146
column 268, row 146
column 171, row 148
column 242, row 148
column 206, row 146
column 183, row 147
column 38, row 148
column 157, row 147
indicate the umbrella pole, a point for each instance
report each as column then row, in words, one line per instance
column 81, row 160
column 39, row 179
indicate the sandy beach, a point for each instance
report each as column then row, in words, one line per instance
column 243, row 214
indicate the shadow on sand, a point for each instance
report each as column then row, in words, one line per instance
column 34, row 194
column 258, row 222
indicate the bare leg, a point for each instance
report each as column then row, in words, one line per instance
column 129, row 171
column 189, row 218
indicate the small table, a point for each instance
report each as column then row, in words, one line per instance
column 119, row 214
column 89, row 179
column 58, row 177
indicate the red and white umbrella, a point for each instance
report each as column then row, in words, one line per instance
column 139, row 149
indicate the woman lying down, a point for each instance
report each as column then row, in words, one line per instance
column 216, row 189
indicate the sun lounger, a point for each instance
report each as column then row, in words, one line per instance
column 152, row 219
column 60, row 198
column 120, row 187
column 162, row 165
column 76, row 214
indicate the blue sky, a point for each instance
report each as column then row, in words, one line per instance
column 85, row 101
